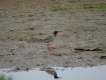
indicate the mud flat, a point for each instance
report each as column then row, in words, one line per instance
column 81, row 43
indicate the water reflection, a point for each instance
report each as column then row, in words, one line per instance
column 90, row 73
column 51, row 71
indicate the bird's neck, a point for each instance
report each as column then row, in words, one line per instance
column 54, row 35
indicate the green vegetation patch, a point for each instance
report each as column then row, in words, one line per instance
column 78, row 6
column 65, row 7
column 101, row 5
column 3, row 77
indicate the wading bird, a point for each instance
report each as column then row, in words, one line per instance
column 50, row 39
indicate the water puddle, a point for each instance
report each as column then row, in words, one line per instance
column 89, row 73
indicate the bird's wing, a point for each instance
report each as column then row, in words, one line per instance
column 51, row 72
column 47, row 39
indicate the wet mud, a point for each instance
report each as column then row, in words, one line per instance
column 23, row 23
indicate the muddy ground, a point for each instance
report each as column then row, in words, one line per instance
column 24, row 22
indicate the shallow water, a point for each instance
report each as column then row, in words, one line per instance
column 89, row 73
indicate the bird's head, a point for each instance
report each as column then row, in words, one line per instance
column 56, row 77
column 55, row 32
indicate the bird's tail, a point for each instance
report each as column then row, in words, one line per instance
column 40, row 40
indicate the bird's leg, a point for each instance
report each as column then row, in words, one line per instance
column 48, row 45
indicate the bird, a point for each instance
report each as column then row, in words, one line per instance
column 49, row 39
column 51, row 71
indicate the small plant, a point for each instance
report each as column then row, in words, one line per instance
column 3, row 77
